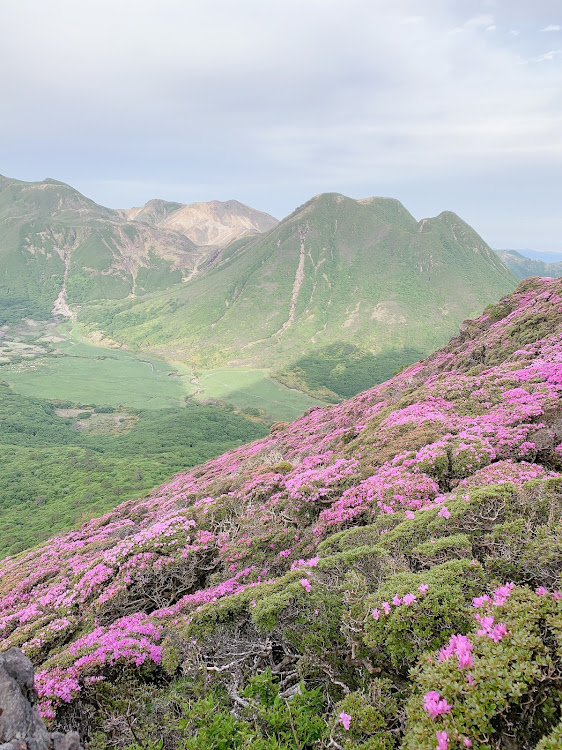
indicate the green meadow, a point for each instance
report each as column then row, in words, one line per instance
column 83, row 373
column 85, row 427
column 88, row 374
column 254, row 392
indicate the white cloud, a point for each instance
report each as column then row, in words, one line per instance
column 493, row 27
column 551, row 55
column 552, row 27
column 482, row 21
column 215, row 93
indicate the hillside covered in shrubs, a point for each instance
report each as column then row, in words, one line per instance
column 383, row 573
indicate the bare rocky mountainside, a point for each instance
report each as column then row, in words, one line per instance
column 216, row 223
column 381, row 574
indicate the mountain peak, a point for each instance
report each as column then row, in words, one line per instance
column 206, row 223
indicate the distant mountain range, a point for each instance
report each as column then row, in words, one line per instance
column 340, row 290
column 335, row 297
column 59, row 248
column 522, row 266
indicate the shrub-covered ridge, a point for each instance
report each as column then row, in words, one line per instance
column 382, row 573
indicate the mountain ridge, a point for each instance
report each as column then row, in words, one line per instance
column 214, row 223
column 82, row 251
column 335, row 271
column 522, row 266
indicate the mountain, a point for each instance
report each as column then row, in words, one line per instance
column 60, row 249
column 548, row 256
column 215, row 223
column 521, row 266
column 339, row 282
column 382, row 573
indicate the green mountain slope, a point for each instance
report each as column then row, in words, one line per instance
column 523, row 267
column 54, row 241
column 382, row 574
column 335, row 272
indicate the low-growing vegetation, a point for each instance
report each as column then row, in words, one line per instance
column 382, row 574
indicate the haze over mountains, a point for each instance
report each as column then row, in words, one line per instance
column 522, row 266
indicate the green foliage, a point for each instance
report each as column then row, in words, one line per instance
column 441, row 550
column 516, row 692
column 344, row 370
column 397, row 640
column 375, row 717
column 267, row 721
column 53, row 477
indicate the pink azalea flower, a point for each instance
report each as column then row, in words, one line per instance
column 498, row 632
column 541, row 591
column 444, row 512
column 305, row 583
column 386, row 607
column 486, row 623
column 345, row 720
column 423, row 588
column 502, row 593
column 461, row 647
column 409, row 514
column 466, row 742
column 434, row 705
column 470, row 680
column 397, row 601
column 376, row 613
column 442, row 741
column 409, row 599
column 480, row 601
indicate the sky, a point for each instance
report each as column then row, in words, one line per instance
column 444, row 104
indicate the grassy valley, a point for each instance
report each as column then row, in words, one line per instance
column 67, row 461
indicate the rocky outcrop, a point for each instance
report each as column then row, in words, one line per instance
column 21, row 727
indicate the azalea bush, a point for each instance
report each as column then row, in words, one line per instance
column 501, row 684
column 383, row 573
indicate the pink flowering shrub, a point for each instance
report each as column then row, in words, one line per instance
column 347, row 550
column 398, row 629
column 481, row 698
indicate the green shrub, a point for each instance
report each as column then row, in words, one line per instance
column 397, row 640
column 512, row 698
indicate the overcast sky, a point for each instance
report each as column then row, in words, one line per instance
column 444, row 104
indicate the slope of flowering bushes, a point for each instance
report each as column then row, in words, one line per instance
column 382, row 573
